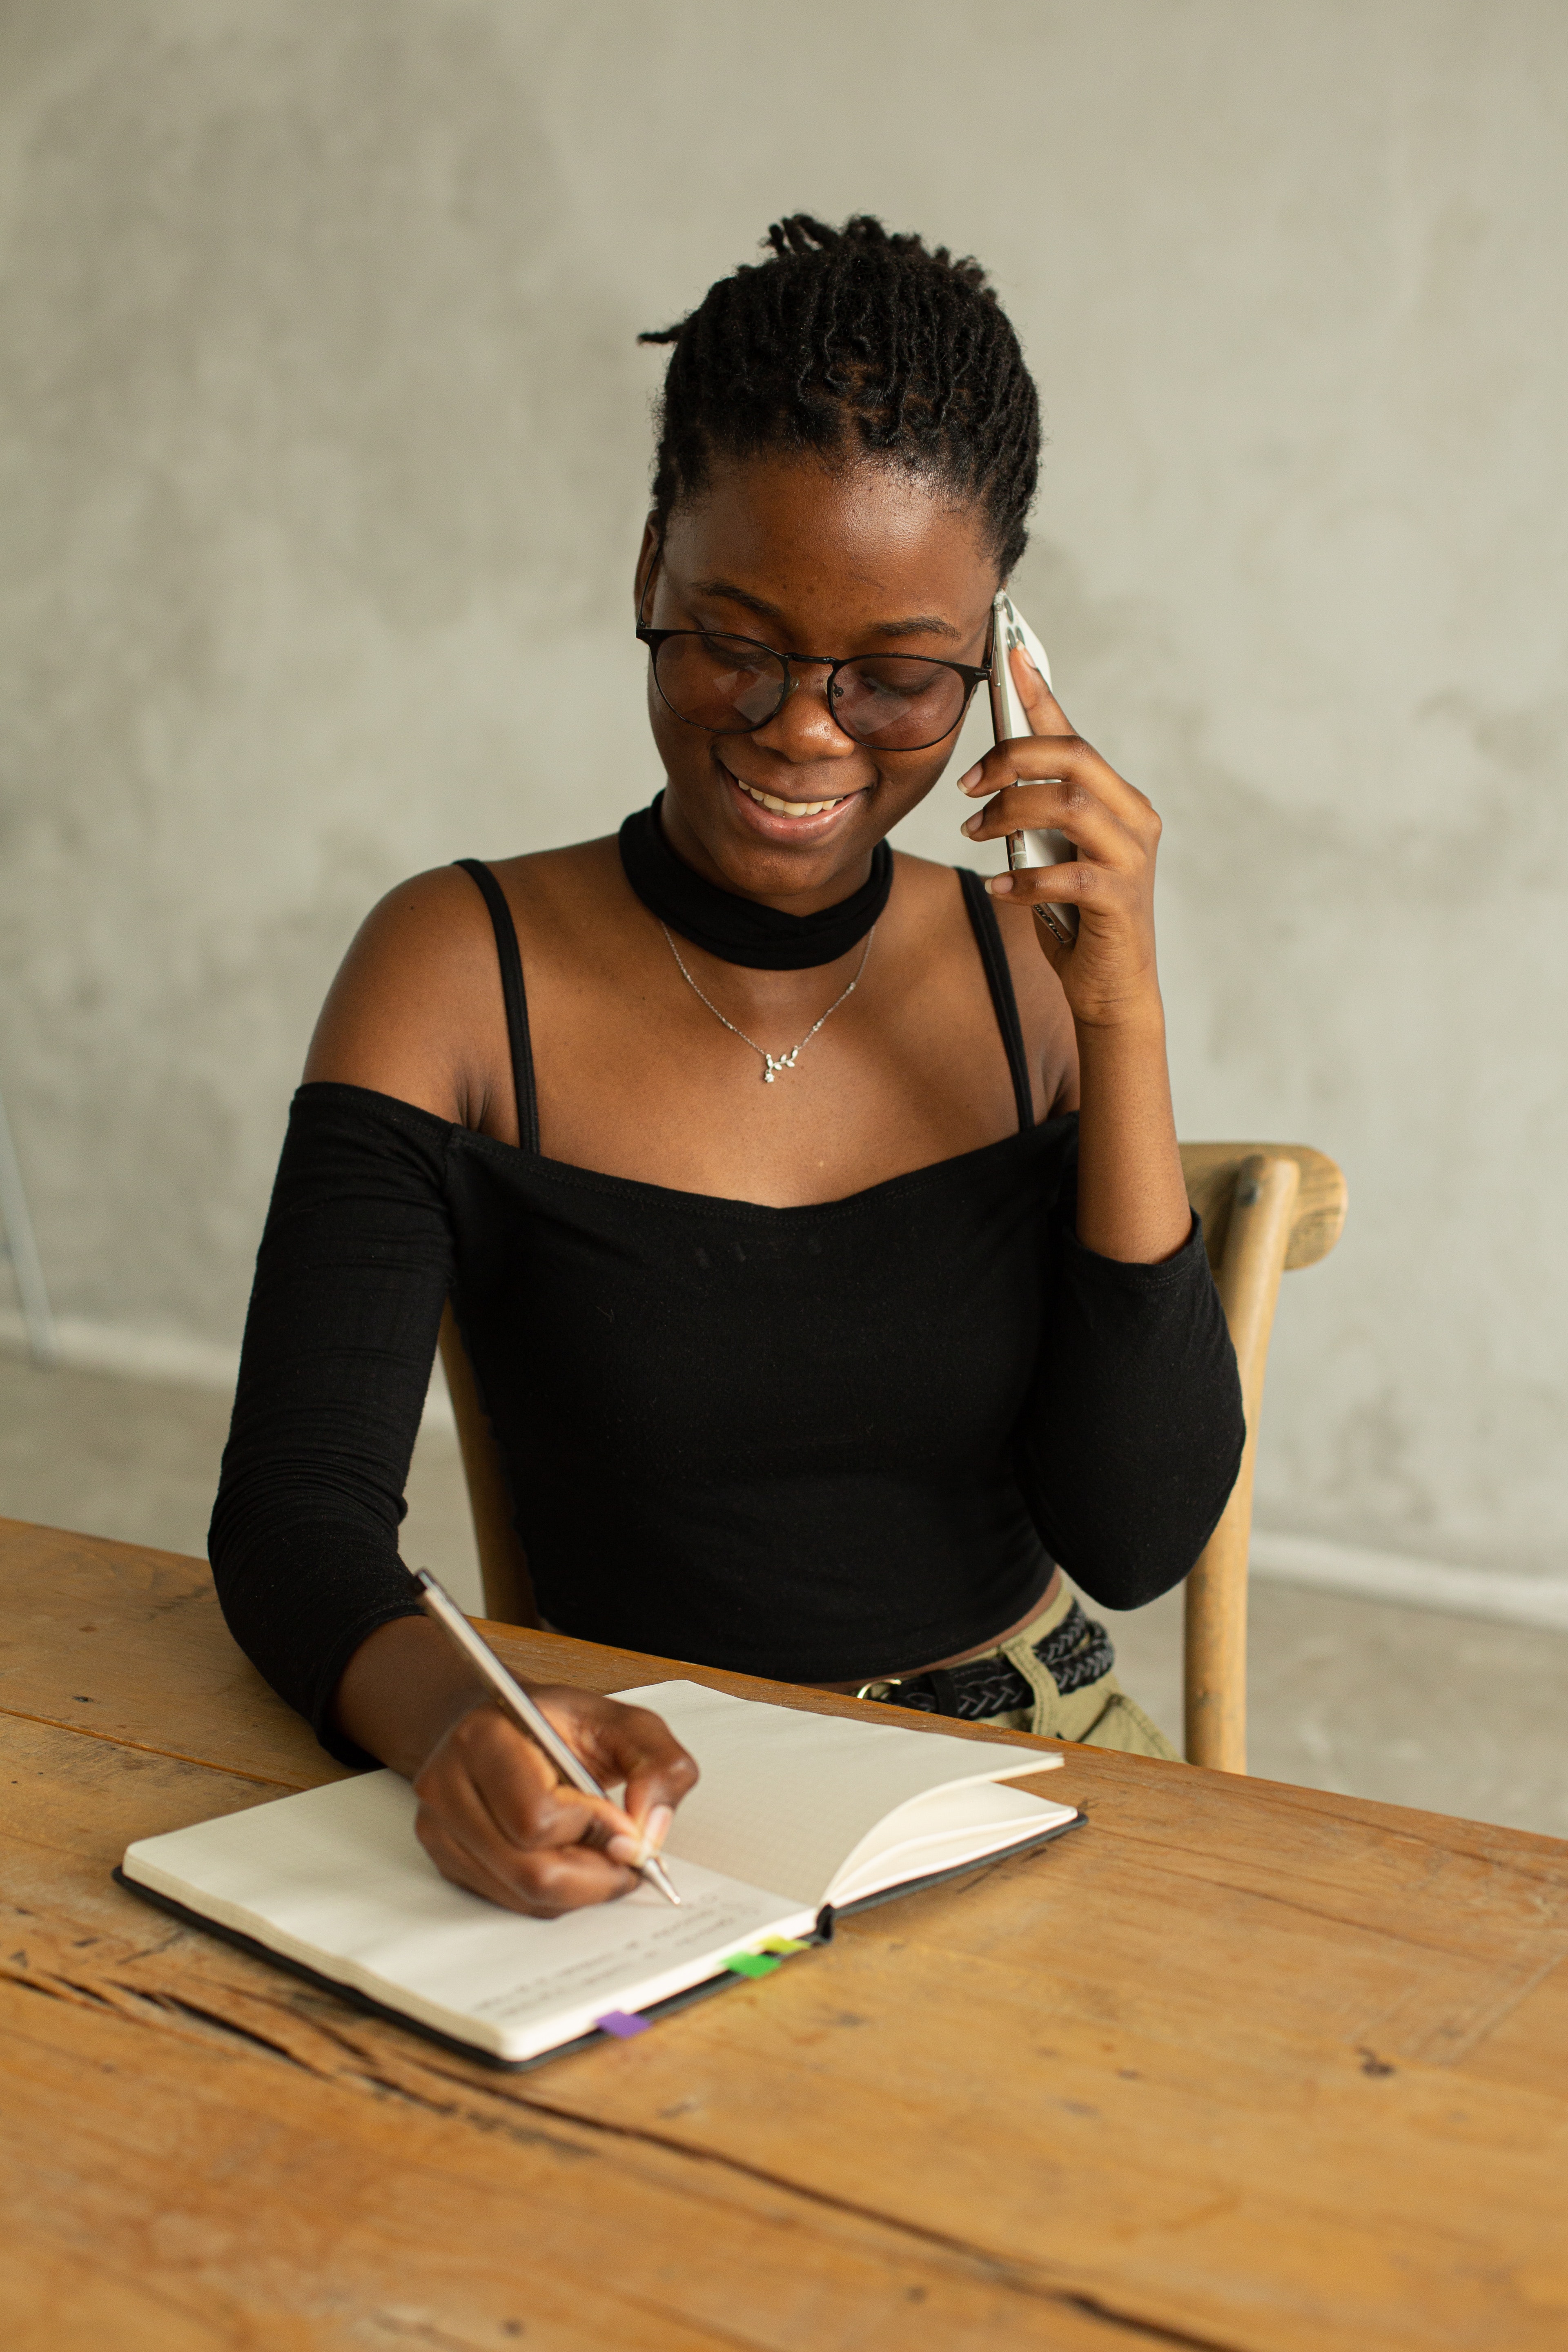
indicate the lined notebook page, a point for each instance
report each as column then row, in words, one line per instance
column 336, row 1878
column 786, row 1797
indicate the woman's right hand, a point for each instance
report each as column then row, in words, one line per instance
column 494, row 1814
column 495, row 1817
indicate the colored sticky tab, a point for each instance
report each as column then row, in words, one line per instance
column 784, row 1945
column 617, row 2022
column 751, row 1964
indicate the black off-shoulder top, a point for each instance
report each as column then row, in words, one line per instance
column 817, row 1443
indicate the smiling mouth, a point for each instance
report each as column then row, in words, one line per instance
column 790, row 808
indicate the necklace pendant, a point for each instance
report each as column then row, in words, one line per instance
column 772, row 1063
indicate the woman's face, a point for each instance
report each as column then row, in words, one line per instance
column 809, row 559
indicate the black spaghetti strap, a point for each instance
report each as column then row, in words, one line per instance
column 515, row 1000
column 999, row 980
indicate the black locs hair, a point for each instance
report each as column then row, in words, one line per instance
column 854, row 334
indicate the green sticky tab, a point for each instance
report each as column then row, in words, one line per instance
column 784, row 1945
column 751, row 1964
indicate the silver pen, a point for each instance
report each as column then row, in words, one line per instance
column 514, row 1701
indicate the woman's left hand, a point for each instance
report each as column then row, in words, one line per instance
column 1053, row 780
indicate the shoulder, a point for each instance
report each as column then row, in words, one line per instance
column 439, row 918
column 553, row 894
column 416, row 1010
column 1044, row 1012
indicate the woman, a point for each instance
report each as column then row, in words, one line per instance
column 817, row 1377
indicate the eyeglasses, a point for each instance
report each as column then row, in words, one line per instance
column 733, row 686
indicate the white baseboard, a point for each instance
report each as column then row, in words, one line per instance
column 168, row 1359
column 1506, row 1597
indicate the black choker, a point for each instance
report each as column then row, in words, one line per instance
column 738, row 930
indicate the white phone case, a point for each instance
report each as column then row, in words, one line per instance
column 1008, row 719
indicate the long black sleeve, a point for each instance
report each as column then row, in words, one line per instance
column 809, row 1443
column 350, row 1278
column 1134, row 1432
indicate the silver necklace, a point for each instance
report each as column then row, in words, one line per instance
column 772, row 1063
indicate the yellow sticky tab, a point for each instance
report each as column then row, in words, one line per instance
column 783, row 1945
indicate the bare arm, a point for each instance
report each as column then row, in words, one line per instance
column 415, row 1008
column 1132, row 1198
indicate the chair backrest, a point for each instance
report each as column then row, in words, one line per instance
column 504, row 1563
column 1267, row 1208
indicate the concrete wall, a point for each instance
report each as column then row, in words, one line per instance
column 323, row 444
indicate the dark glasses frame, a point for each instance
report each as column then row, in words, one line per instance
column 971, row 677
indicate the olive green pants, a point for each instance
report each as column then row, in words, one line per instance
column 1101, row 1714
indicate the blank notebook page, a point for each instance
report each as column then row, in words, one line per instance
column 786, row 1797
column 338, row 1872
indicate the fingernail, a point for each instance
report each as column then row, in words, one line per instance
column 967, row 779
column 634, row 1851
column 971, row 826
column 999, row 885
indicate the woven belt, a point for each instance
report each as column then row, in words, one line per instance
column 1076, row 1652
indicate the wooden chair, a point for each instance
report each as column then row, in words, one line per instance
column 504, row 1563
column 1266, row 1209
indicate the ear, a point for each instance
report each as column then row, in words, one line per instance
column 648, row 562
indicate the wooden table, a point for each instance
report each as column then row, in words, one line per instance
column 1236, row 2066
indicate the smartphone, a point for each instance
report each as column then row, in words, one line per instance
column 1009, row 628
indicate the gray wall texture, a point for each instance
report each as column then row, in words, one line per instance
column 323, row 445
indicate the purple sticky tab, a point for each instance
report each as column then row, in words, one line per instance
column 617, row 2022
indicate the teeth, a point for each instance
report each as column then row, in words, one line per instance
column 789, row 808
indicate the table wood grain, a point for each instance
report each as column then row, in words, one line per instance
column 1239, row 2065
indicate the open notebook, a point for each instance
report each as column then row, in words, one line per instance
column 794, row 1815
